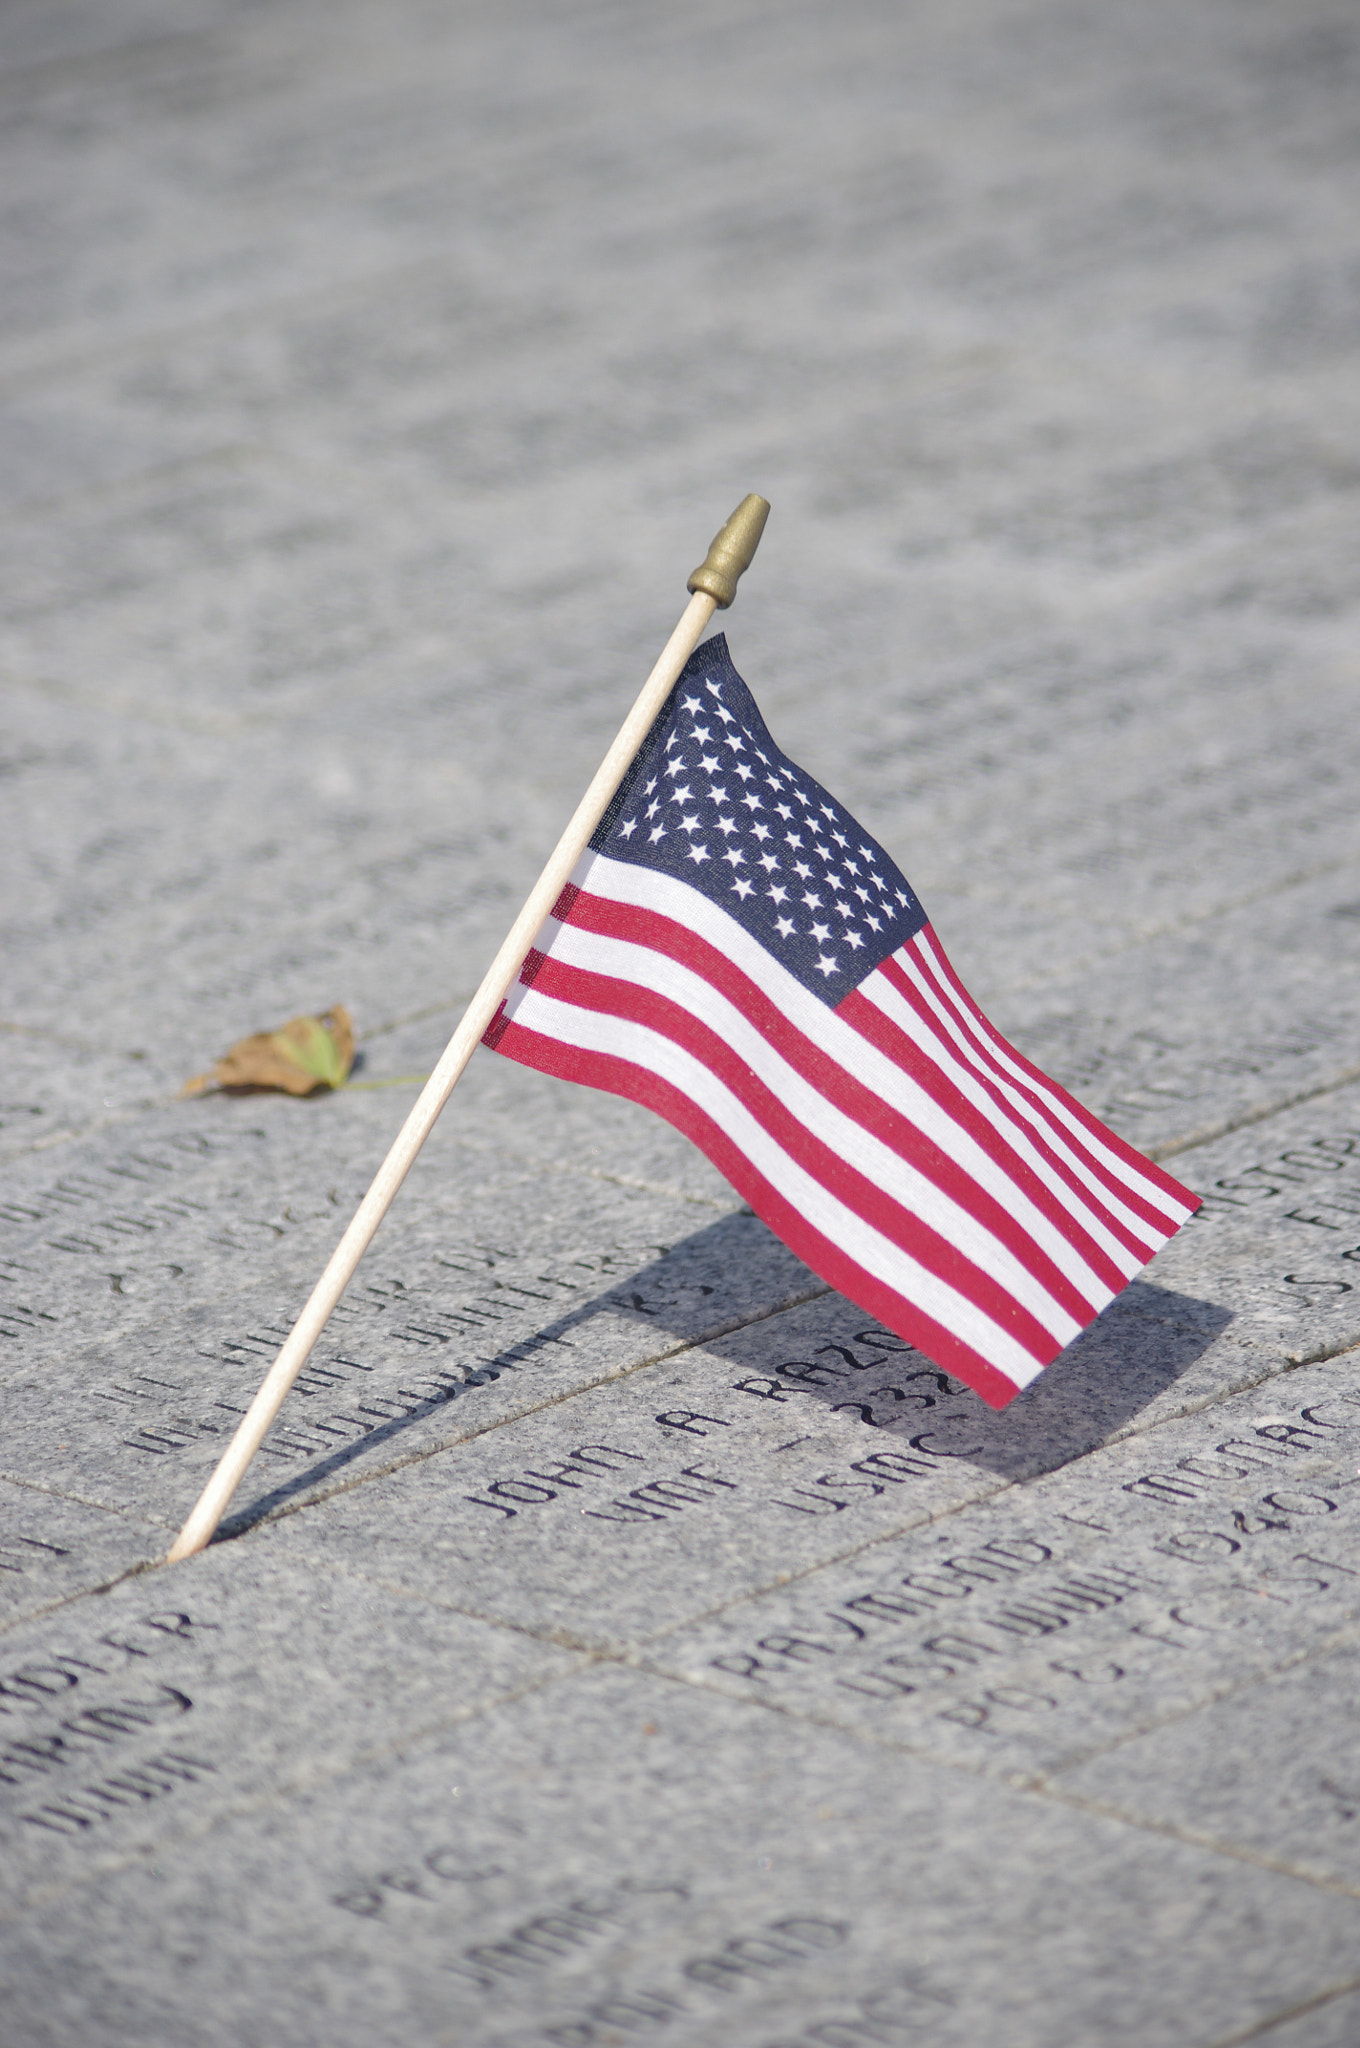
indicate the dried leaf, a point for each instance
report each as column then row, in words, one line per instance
column 304, row 1054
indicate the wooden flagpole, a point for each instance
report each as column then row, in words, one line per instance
column 714, row 585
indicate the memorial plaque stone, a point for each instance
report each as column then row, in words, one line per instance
column 562, row 1888
column 52, row 1547
column 162, row 1706
column 622, row 1639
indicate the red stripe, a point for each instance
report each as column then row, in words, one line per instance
column 942, row 983
column 857, row 1100
column 1085, row 1199
column 610, row 996
column 1137, row 1162
column 914, row 1058
column 822, row 1254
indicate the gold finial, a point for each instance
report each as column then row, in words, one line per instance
column 731, row 552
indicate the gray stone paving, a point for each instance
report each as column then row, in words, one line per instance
column 620, row 1640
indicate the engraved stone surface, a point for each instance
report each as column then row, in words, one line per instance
column 621, row 1639
column 597, row 1871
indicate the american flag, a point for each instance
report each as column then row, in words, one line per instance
column 736, row 953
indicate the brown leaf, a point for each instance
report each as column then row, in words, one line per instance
column 304, row 1054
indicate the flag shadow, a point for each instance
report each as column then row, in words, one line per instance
column 723, row 1279
column 718, row 1289
column 1140, row 1346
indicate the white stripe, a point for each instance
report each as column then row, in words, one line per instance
column 879, row 991
column 1175, row 1212
column 888, row 1171
column 642, row 888
column 875, row 1254
column 1138, row 1226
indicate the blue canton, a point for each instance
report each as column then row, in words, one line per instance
column 711, row 800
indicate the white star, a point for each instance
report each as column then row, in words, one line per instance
column 773, row 780
column 689, row 824
column 769, row 863
column 868, row 853
column 902, row 898
column 709, row 763
column 694, row 703
column 827, row 966
column 877, row 881
column 819, row 932
column 863, row 894
column 737, row 744
column 841, row 840
column 802, row 870
column 776, row 894
column 785, row 811
column 657, row 832
column 653, row 807
column 727, row 826
column 724, row 714
column 854, row 939
column 829, row 811
column 717, row 793
column 743, row 887
column 822, row 852
column 713, row 688
column 852, row 867
column 743, row 771
column 785, row 927
column 683, row 796
column 753, row 803
column 761, row 832
column 845, row 910
column 703, row 732
column 792, row 838
column 875, row 924
column 698, row 853
column 676, row 767
column 627, row 831
column 734, row 859
column 762, row 757
column 651, row 785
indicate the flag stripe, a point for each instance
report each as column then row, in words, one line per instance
column 1146, row 1220
column 909, row 1036
column 703, row 933
column 791, row 1055
column 1173, row 1203
column 808, row 1227
column 1141, row 1216
column 899, row 992
column 624, row 982
column 870, row 1249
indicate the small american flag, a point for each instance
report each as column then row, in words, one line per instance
column 736, row 953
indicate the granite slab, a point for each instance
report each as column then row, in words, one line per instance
column 1040, row 1629
column 1263, row 1772
column 53, row 1549
column 370, row 377
column 1265, row 1262
column 238, row 1198
column 191, row 1692
column 631, row 1855
column 1329, row 2022
column 414, row 1359
column 716, row 1475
